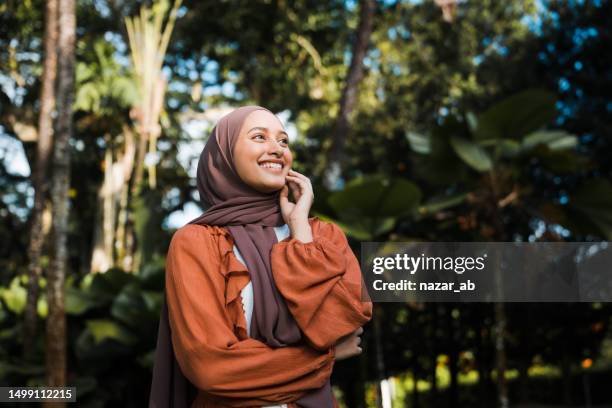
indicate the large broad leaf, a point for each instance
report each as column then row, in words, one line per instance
column 418, row 142
column 152, row 275
column 79, row 301
column 370, row 206
column 517, row 115
column 553, row 139
column 14, row 296
column 471, row 153
column 375, row 197
column 563, row 161
column 109, row 283
column 594, row 202
column 106, row 329
column 442, row 167
column 434, row 205
column 131, row 308
column 363, row 229
column 354, row 230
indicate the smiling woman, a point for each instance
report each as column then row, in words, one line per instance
column 262, row 154
column 260, row 298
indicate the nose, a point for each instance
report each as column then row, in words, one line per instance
column 275, row 148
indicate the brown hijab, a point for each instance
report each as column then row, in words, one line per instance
column 250, row 216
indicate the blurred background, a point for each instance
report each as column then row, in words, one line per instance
column 431, row 120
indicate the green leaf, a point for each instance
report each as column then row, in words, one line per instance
column 438, row 204
column 356, row 231
column 42, row 307
column 14, row 296
column 369, row 206
column 375, row 197
column 109, row 283
column 472, row 121
column 78, row 301
column 553, row 139
column 508, row 148
column 517, row 115
column 471, row 153
column 594, row 202
column 103, row 329
column 418, row 142
column 129, row 307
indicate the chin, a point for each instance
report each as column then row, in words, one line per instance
column 271, row 187
column 267, row 186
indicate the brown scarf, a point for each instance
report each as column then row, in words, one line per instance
column 250, row 216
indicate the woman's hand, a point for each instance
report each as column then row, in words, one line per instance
column 296, row 214
column 348, row 346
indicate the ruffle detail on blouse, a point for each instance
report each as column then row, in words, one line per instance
column 236, row 278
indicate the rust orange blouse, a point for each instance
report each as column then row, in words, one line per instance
column 322, row 284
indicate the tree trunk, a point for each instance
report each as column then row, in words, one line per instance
column 127, row 160
column 110, row 230
column 499, row 309
column 102, row 255
column 56, row 320
column 336, row 158
column 39, row 175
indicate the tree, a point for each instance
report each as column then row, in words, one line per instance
column 39, row 174
column 348, row 101
column 56, row 320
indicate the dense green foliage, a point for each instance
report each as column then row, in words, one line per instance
column 508, row 104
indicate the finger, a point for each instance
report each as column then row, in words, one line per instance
column 298, row 182
column 304, row 185
column 284, row 196
column 300, row 176
column 296, row 178
column 297, row 174
column 295, row 190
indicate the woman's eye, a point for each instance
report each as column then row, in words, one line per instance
column 284, row 141
column 259, row 136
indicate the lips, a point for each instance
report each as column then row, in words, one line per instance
column 269, row 165
column 272, row 165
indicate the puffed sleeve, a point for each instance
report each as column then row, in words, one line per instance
column 207, row 350
column 322, row 284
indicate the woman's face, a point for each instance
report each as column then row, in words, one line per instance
column 261, row 153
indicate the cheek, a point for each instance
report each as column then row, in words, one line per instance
column 288, row 158
column 245, row 161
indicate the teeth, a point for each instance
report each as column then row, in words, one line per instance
column 271, row 165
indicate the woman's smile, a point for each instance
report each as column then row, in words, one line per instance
column 273, row 166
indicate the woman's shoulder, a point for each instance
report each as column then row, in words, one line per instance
column 199, row 235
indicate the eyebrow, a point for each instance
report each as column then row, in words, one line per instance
column 266, row 129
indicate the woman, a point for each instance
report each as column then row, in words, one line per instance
column 261, row 299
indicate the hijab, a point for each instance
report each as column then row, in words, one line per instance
column 250, row 216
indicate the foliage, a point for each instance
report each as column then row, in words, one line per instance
column 493, row 127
